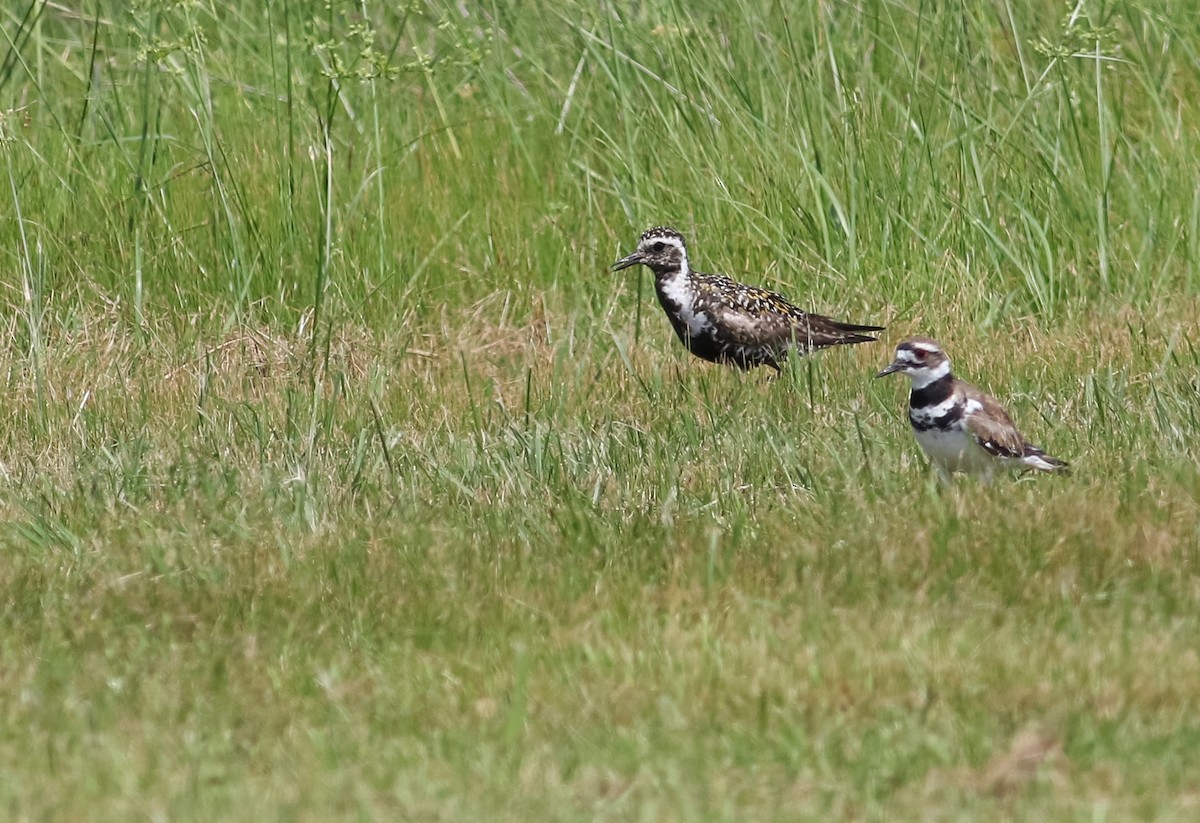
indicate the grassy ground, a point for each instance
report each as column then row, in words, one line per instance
column 339, row 478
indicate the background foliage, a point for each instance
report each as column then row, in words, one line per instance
column 338, row 477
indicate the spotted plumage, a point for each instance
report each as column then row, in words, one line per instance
column 723, row 321
column 961, row 428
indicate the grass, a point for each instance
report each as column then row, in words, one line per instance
column 338, row 478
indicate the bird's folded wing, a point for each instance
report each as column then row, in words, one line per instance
column 993, row 430
column 752, row 316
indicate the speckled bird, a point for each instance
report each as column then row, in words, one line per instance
column 723, row 321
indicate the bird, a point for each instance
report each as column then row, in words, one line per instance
column 723, row 321
column 960, row 428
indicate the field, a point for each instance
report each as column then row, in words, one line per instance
column 339, row 477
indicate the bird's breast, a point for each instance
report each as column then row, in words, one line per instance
column 952, row 448
column 944, row 415
column 678, row 299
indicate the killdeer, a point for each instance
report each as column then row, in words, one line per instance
column 961, row 428
column 723, row 321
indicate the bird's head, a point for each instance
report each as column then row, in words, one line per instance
column 921, row 359
column 661, row 249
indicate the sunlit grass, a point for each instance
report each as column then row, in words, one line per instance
column 339, row 477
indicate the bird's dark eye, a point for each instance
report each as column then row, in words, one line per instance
column 658, row 247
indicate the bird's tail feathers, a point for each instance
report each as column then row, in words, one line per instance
column 856, row 327
column 1035, row 458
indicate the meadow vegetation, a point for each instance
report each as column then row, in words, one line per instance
column 339, row 477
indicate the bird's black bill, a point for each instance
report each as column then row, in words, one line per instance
column 626, row 262
column 892, row 369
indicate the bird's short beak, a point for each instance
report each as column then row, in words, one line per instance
column 626, row 262
column 892, row 369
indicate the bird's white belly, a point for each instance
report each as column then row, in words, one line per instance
column 954, row 450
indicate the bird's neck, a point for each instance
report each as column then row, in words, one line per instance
column 678, row 271
column 932, row 389
column 931, row 394
column 925, row 377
